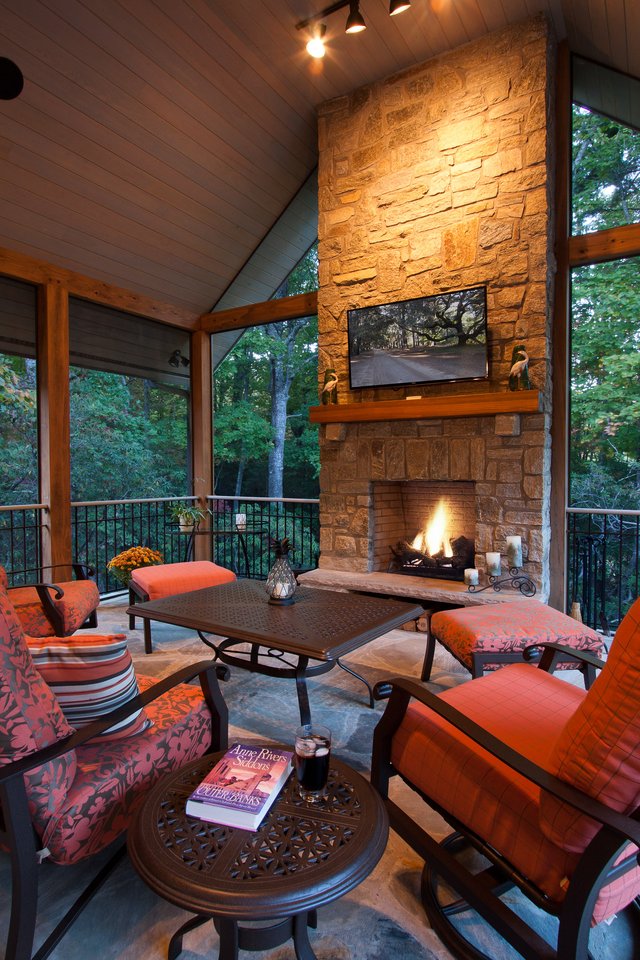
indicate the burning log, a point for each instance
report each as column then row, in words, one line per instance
column 407, row 559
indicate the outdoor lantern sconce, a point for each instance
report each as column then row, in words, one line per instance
column 177, row 360
column 355, row 22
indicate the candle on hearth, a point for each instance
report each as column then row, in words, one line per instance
column 471, row 576
column 514, row 551
column 493, row 564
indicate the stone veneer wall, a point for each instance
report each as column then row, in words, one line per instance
column 438, row 179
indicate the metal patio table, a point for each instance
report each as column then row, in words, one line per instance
column 301, row 857
column 302, row 640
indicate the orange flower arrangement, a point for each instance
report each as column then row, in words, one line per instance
column 122, row 565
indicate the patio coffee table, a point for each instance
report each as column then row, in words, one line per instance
column 322, row 625
column 301, row 857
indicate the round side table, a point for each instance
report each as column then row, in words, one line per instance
column 302, row 857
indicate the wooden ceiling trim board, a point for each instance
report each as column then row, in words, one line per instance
column 67, row 225
column 35, row 153
column 258, row 314
column 164, row 160
column 25, row 237
column 205, row 113
column 23, row 267
column 95, row 138
column 188, row 39
column 112, row 224
column 100, row 45
column 605, row 245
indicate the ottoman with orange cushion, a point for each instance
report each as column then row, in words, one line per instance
column 167, row 579
column 487, row 636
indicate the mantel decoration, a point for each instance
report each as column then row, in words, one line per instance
column 519, row 373
column 516, row 580
column 281, row 581
column 121, row 566
column 330, row 386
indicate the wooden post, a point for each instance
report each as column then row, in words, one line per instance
column 53, row 425
column 202, row 431
column 560, row 338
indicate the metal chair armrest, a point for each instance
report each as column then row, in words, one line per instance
column 554, row 653
column 206, row 670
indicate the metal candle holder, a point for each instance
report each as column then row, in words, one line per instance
column 516, row 580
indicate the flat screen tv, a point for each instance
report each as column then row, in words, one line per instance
column 427, row 340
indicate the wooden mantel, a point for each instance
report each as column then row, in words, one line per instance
column 430, row 408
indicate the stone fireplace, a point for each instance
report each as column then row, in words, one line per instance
column 439, row 179
column 404, row 511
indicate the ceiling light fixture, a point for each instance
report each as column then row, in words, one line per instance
column 315, row 45
column 355, row 22
column 177, row 360
column 398, row 6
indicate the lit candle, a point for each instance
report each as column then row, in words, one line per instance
column 514, row 551
column 471, row 577
column 493, row 564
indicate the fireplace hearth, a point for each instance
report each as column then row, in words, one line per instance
column 442, row 565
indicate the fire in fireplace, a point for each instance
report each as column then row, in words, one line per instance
column 433, row 552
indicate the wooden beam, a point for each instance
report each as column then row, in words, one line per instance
column 201, row 429
column 605, row 245
column 257, row 314
column 560, row 340
column 429, row 408
column 23, row 267
column 53, row 424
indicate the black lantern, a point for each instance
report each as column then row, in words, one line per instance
column 281, row 581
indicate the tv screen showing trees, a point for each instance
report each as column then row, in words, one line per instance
column 430, row 339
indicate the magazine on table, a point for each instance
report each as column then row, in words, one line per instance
column 242, row 786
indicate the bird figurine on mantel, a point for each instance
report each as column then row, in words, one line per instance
column 519, row 373
column 329, row 392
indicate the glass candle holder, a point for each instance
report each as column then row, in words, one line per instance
column 281, row 581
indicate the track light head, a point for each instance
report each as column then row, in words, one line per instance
column 177, row 360
column 355, row 20
column 315, row 45
column 398, row 6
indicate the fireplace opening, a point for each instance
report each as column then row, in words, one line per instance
column 434, row 551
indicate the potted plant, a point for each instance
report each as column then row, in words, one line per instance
column 121, row 565
column 186, row 515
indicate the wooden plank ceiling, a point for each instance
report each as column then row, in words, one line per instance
column 157, row 142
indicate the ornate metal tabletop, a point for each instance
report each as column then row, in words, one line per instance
column 321, row 625
column 301, row 857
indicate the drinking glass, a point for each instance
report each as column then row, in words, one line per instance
column 312, row 754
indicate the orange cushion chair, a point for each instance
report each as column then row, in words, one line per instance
column 65, row 793
column 487, row 636
column 540, row 776
column 55, row 609
column 168, row 579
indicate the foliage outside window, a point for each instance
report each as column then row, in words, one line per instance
column 264, row 444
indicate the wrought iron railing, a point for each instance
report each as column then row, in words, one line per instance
column 20, row 541
column 603, row 550
column 103, row 528
column 242, row 528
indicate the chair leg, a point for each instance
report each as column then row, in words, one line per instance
column 132, row 600
column 148, row 644
column 92, row 620
column 429, row 652
column 24, row 894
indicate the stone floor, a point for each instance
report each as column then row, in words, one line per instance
column 381, row 918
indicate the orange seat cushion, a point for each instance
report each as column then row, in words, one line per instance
column 527, row 709
column 168, row 579
column 509, row 628
column 599, row 749
column 81, row 598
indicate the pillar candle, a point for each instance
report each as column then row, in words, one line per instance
column 471, row 576
column 514, row 551
column 493, row 564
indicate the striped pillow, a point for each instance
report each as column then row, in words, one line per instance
column 90, row 676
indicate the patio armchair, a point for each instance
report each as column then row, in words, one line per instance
column 539, row 780
column 56, row 609
column 67, row 794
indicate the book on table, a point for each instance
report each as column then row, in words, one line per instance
column 242, row 786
